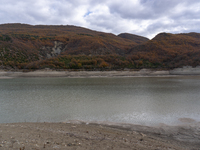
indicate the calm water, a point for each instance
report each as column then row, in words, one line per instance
column 142, row 100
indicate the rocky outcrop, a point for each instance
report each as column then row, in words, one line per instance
column 49, row 52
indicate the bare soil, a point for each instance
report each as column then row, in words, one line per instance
column 95, row 136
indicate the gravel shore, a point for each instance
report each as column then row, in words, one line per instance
column 124, row 73
column 84, row 136
column 53, row 73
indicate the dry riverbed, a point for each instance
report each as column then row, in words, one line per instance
column 94, row 136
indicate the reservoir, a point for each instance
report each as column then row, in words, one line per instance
column 135, row 100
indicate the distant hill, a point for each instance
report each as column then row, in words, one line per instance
column 192, row 34
column 137, row 39
column 170, row 50
column 25, row 46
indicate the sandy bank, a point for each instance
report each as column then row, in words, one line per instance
column 50, row 73
column 79, row 135
column 142, row 72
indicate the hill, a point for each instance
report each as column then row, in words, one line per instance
column 137, row 39
column 78, row 40
column 170, row 50
column 25, row 46
column 21, row 44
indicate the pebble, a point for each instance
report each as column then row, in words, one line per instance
column 143, row 134
column 70, row 144
column 56, row 146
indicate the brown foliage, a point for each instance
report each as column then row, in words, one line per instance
column 33, row 47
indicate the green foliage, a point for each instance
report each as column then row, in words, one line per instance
column 84, row 34
column 5, row 37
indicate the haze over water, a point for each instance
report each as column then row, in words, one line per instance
column 137, row 100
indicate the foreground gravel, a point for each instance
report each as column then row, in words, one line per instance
column 82, row 136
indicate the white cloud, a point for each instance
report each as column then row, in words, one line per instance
column 142, row 17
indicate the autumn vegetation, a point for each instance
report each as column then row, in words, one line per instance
column 69, row 47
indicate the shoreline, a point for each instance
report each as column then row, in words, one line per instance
column 97, row 135
column 96, row 74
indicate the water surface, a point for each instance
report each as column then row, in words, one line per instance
column 138, row 100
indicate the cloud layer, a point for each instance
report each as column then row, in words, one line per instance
column 142, row 17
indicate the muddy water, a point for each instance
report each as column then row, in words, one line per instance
column 137, row 100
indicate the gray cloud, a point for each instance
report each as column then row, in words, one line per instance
column 142, row 17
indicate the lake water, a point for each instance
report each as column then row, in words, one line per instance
column 137, row 100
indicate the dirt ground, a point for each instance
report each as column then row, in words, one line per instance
column 94, row 136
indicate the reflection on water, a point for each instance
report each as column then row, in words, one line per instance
column 142, row 100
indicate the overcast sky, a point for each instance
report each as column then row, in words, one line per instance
column 141, row 17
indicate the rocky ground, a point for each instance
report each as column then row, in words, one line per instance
column 94, row 136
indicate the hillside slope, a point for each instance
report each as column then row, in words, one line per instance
column 21, row 44
column 137, row 39
column 170, row 50
column 25, row 46
column 72, row 39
